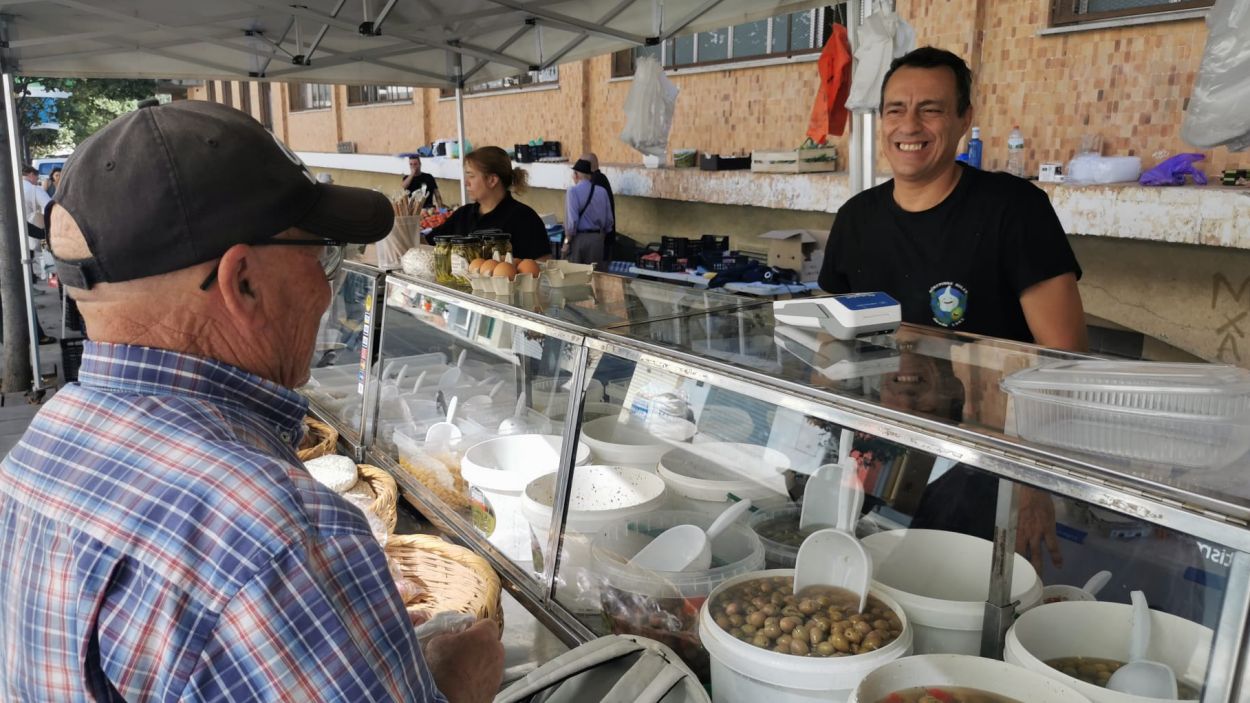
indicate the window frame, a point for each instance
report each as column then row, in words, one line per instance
column 266, row 104
column 624, row 61
column 366, row 95
column 212, row 90
column 245, row 97
column 306, row 99
column 227, row 93
column 1067, row 13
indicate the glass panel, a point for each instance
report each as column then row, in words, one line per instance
column 801, row 30
column 650, row 51
column 750, row 39
column 781, row 35
column 509, row 386
column 336, row 381
column 714, row 45
column 684, row 52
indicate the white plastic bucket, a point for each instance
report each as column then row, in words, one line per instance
column 705, row 473
column 497, row 471
column 1101, row 630
column 942, row 579
column 599, row 497
column 627, row 443
column 663, row 605
column 743, row 673
column 956, row 670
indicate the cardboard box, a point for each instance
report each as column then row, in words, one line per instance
column 795, row 249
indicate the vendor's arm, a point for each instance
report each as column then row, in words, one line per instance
column 438, row 198
column 1054, row 313
column 832, row 278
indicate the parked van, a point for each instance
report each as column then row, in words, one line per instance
column 46, row 164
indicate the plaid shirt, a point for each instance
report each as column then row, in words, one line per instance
column 159, row 541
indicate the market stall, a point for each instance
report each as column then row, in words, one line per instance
column 679, row 412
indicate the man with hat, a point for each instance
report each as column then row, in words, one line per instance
column 160, row 538
column 587, row 218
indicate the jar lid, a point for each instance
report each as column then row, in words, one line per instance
column 465, row 239
column 445, row 238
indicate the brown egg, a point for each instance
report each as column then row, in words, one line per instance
column 528, row 266
column 476, row 264
column 487, row 266
column 504, row 270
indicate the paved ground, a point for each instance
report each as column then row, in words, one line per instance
column 15, row 409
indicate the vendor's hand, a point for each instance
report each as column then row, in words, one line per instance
column 467, row 666
column 1035, row 527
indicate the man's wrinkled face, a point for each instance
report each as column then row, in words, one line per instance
column 920, row 124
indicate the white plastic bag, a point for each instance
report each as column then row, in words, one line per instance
column 649, row 109
column 1219, row 108
column 883, row 37
column 1089, row 169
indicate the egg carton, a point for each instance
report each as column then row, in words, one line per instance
column 500, row 285
column 560, row 273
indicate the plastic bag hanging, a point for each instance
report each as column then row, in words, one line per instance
column 1219, row 107
column 649, row 109
column 883, row 37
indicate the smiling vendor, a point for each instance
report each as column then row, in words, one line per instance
column 963, row 249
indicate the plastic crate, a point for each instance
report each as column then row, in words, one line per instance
column 71, row 357
column 716, row 162
column 1193, row 416
column 674, row 246
column 714, row 243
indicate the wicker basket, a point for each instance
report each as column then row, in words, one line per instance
column 319, row 439
column 455, row 578
column 387, row 493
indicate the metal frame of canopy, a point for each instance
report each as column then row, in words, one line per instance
column 417, row 42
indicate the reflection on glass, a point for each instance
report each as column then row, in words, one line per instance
column 800, row 31
column 335, row 385
column 750, row 39
column 714, row 45
column 781, row 35
column 683, row 50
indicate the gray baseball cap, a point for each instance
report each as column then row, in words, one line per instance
column 170, row 186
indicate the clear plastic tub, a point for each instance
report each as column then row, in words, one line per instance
column 1193, row 416
column 665, row 605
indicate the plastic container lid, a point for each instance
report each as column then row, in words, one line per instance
column 1089, row 379
column 712, row 470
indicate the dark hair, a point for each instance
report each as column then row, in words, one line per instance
column 933, row 57
column 492, row 159
column 27, row 170
column 54, row 171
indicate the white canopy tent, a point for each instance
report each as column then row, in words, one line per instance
column 423, row 43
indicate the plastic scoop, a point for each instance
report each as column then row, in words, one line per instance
column 441, row 434
column 517, row 424
column 1140, row 676
column 687, row 547
column 834, row 495
column 1096, row 582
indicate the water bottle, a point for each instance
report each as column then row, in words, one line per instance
column 974, row 148
column 1015, row 153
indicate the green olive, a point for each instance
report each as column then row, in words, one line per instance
column 798, row 646
column 756, row 619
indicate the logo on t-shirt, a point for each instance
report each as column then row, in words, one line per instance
column 949, row 302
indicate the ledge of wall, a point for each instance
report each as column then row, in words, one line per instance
column 1199, row 215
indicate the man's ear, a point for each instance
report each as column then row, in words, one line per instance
column 238, row 292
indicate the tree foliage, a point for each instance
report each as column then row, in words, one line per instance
column 93, row 103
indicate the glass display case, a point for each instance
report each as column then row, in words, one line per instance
column 589, row 422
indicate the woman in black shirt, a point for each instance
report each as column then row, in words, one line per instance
column 489, row 180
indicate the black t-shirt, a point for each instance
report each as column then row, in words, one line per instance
column 962, row 264
column 529, row 234
column 431, row 185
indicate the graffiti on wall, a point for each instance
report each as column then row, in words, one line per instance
column 1231, row 331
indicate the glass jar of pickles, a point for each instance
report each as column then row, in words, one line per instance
column 442, row 258
column 496, row 245
column 463, row 251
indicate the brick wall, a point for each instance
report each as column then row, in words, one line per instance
column 312, row 130
column 385, row 129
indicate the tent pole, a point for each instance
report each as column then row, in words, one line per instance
column 459, row 73
column 19, row 199
column 854, row 168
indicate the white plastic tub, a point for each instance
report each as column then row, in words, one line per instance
column 600, row 496
column 497, row 471
column 627, row 443
column 744, row 673
column 1184, row 415
column 664, row 605
column 953, row 670
column 1101, row 630
column 703, row 474
column 942, row 579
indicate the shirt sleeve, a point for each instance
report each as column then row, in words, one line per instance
column 609, row 214
column 570, row 212
column 833, row 278
column 1035, row 247
column 320, row 622
column 529, row 240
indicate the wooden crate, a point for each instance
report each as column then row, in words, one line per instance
column 795, row 161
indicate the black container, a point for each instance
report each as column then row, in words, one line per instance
column 71, row 357
column 713, row 243
column 715, row 162
column 677, row 247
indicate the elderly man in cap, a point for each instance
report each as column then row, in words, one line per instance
column 587, row 218
column 160, row 540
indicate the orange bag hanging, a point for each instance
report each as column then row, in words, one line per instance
column 829, row 113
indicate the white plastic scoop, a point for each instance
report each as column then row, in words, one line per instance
column 441, row 434
column 834, row 557
column 518, row 423
column 1141, row 677
column 687, row 547
column 1096, row 582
